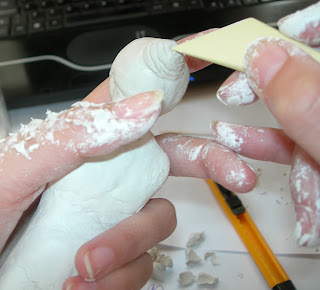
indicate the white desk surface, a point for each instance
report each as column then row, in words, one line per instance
column 269, row 203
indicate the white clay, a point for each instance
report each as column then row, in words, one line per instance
column 104, row 190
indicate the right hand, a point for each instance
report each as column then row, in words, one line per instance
column 288, row 82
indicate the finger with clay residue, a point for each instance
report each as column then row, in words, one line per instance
column 303, row 25
column 260, row 143
column 235, row 91
column 305, row 190
column 47, row 149
column 202, row 158
column 83, row 131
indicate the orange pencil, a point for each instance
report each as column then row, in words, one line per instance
column 263, row 256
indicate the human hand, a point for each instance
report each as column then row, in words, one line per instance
column 45, row 150
column 287, row 81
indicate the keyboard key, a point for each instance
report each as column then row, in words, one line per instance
column 250, row 2
column 34, row 14
column 4, row 21
column 4, row 26
column 19, row 25
column 4, row 31
column 7, row 4
column 233, row 3
column 193, row 4
column 36, row 26
column 176, row 6
column 55, row 23
column 158, row 8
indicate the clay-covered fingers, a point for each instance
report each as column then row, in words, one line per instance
column 303, row 25
column 118, row 255
column 305, row 191
column 45, row 150
column 203, row 158
column 259, row 143
column 288, row 82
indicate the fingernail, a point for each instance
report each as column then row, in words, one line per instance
column 237, row 92
column 97, row 261
column 212, row 124
column 227, row 135
column 263, row 59
column 139, row 106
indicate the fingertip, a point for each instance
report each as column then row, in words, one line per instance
column 226, row 168
column 92, row 260
column 139, row 106
column 77, row 283
column 303, row 25
column 263, row 60
column 235, row 91
column 226, row 134
column 241, row 180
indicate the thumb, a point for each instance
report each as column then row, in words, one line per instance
column 288, row 82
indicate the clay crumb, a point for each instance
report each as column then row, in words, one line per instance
column 206, row 279
column 195, row 239
column 240, row 275
column 160, row 263
column 212, row 257
column 191, row 257
column 259, row 171
column 186, row 278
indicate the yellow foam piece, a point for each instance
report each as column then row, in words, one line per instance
column 226, row 46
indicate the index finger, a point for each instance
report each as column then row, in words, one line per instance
column 47, row 149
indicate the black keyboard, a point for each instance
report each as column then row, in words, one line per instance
column 20, row 18
column 54, row 50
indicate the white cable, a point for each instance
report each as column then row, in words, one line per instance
column 56, row 59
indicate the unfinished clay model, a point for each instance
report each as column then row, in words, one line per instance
column 104, row 190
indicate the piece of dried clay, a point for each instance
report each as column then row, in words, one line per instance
column 160, row 263
column 195, row 239
column 191, row 257
column 186, row 278
column 206, row 279
column 212, row 257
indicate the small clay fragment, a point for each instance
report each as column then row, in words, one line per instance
column 195, row 239
column 191, row 257
column 186, row 278
column 212, row 257
column 160, row 263
column 206, row 279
